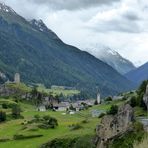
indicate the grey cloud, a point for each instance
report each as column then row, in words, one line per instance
column 131, row 16
column 117, row 25
column 73, row 4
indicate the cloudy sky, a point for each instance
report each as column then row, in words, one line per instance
column 119, row 24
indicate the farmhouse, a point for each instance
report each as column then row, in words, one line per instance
column 63, row 106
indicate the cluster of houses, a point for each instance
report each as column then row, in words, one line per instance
column 65, row 106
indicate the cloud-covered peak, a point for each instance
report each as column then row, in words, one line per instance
column 119, row 24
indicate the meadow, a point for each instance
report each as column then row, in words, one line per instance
column 10, row 128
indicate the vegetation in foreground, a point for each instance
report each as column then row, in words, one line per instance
column 21, row 124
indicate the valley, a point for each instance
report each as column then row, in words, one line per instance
column 56, row 95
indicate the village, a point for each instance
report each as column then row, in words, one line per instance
column 49, row 102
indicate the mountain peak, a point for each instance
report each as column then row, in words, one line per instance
column 6, row 9
column 111, row 57
column 39, row 24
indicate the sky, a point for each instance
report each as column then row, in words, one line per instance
column 119, row 24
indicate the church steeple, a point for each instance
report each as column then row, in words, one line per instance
column 98, row 97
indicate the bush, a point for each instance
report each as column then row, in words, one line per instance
column 52, row 122
column 75, row 126
column 16, row 112
column 96, row 102
column 133, row 101
column 108, row 99
column 128, row 139
column 141, row 92
column 101, row 115
column 4, row 139
column 85, row 121
column 113, row 110
column 2, row 116
column 37, row 117
column 20, row 137
column 76, row 142
column 4, row 106
column 44, row 122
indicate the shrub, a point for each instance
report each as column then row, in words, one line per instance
column 101, row 115
column 16, row 112
column 46, row 117
column 4, row 139
column 113, row 110
column 72, row 142
column 96, row 102
column 44, row 126
column 20, row 137
column 52, row 122
column 128, row 139
column 85, row 121
column 75, row 126
column 4, row 106
column 2, row 116
column 108, row 99
column 133, row 101
column 37, row 117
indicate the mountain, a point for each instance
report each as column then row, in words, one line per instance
column 112, row 58
column 138, row 75
column 37, row 53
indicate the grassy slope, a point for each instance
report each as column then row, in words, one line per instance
column 58, row 91
column 12, row 127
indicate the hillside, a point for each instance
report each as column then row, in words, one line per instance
column 138, row 75
column 112, row 58
column 33, row 50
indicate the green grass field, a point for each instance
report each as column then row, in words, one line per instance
column 10, row 128
column 58, row 91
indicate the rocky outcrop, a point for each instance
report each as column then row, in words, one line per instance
column 5, row 91
column 113, row 126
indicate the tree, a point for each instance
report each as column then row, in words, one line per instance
column 113, row 110
column 133, row 101
column 96, row 102
column 50, row 121
column 36, row 96
column 141, row 92
column 108, row 99
column 16, row 111
column 4, row 106
column 72, row 108
column 2, row 116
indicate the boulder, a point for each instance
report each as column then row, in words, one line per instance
column 113, row 126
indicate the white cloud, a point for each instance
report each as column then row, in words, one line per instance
column 122, row 25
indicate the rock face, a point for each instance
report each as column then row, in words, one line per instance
column 5, row 91
column 145, row 97
column 112, row 126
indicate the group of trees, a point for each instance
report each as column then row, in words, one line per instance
column 138, row 100
column 113, row 110
column 45, row 122
column 15, row 113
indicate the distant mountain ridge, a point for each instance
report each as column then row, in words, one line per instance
column 138, row 75
column 37, row 53
column 112, row 58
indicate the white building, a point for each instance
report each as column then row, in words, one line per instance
column 42, row 108
column 63, row 106
column 99, row 98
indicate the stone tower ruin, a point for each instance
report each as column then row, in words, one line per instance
column 17, row 78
